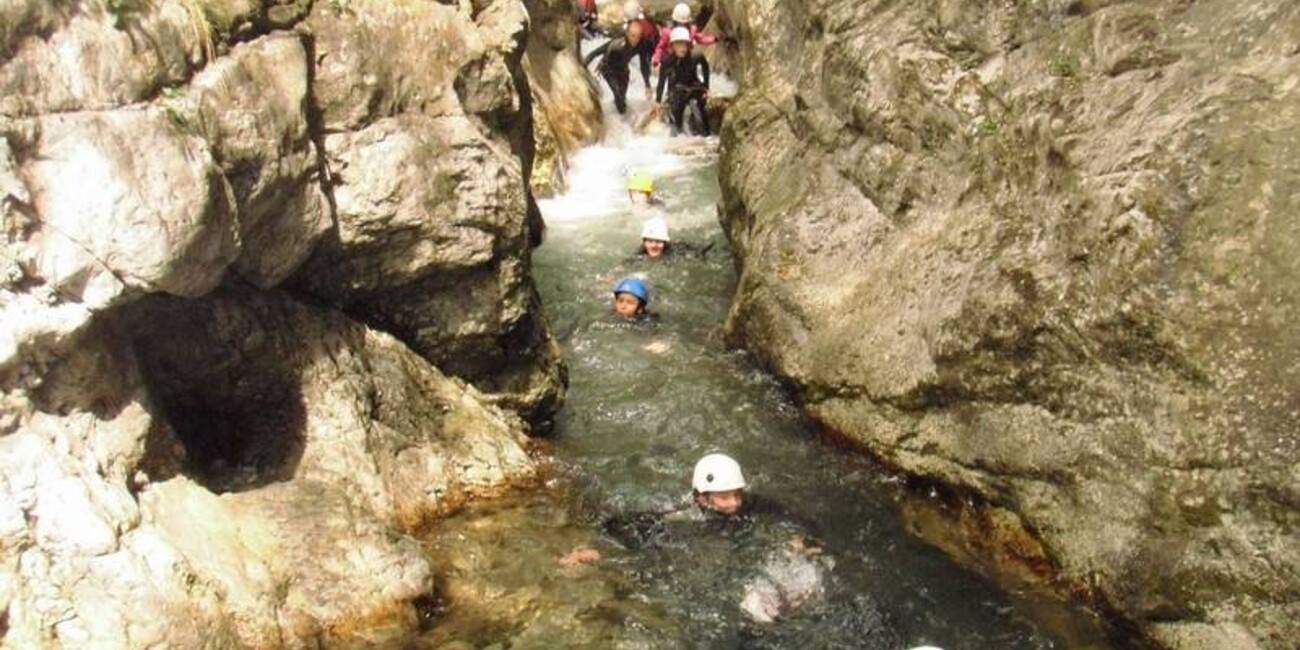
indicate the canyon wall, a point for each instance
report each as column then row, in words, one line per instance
column 1043, row 254
column 266, row 307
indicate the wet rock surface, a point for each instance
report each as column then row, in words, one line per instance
column 1069, row 294
column 566, row 106
column 427, row 134
column 239, row 235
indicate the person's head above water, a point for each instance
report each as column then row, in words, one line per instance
column 631, row 296
column 718, row 484
column 634, row 33
column 682, row 13
column 640, row 188
column 654, row 237
column 680, row 37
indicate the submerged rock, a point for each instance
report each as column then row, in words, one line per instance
column 1040, row 254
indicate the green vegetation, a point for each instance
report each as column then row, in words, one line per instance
column 1064, row 66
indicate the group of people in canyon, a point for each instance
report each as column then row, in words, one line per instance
column 670, row 50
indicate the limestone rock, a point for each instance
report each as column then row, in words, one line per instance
column 1065, row 228
column 252, row 105
column 101, row 206
column 68, row 56
column 242, row 482
column 423, row 115
column 566, row 108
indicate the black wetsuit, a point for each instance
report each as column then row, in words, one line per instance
column 687, row 79
column 651, row 529
column 614, row 67
column 676, row 250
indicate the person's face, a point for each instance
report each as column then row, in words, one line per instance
column 654, row 247
column 634, row 34
column 627, row 305
column 639, row 197
column 726, row 503
column 681, row 49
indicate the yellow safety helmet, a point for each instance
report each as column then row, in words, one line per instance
column 641, row 183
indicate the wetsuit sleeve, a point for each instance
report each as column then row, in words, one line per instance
column 664, row 73
column 636, row 531
column 645, row 65
column 704, row 71
column 596, row 52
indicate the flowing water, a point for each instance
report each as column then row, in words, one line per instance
column 644, row 404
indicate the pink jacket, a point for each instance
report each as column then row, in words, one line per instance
column 663, row 47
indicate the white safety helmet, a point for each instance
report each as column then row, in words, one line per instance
column 717, row 473
column 631, row 10
column 682, row 13
column 680, row 35
column 655, row 228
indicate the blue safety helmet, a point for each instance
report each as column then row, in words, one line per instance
column 635, row 287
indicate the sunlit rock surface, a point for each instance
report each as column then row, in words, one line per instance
column 428, row 138
column 1044, row 253
column 566, row 108
column 239, row 235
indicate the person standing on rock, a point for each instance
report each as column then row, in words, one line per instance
column 618, row 54
column 681, row 18
column 686, row 74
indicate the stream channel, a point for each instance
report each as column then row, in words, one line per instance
column 644, row 404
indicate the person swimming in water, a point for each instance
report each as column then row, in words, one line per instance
column 657, row 244
column 641, row 190
column 787, row 580
column 631, row 299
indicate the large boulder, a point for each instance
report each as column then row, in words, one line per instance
column 566, row 108
column 62, row 56
column 429, row 143
column 190, row 456
column 1042, row 255
column 252, row 106
column 235, row 472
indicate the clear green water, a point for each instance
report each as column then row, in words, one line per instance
column 637, row 418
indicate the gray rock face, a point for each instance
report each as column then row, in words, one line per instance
column 190, row 455
column 424, row 123
column 231, row 473
column 252, row 106
column 1042, row 255
column 566, row 109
